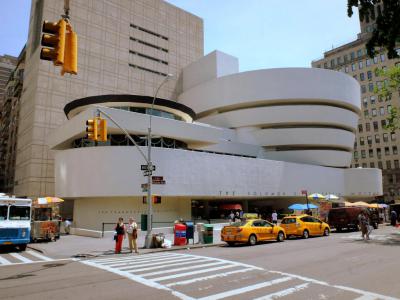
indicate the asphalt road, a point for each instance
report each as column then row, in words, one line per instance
column 340, row 266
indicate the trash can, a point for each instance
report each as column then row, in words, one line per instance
column 208, row 233
column 189, row 231
column 179, row 234
column 143, row 222
column 200, row 232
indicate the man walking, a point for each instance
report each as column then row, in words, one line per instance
column 274, row 217
column 393, row 218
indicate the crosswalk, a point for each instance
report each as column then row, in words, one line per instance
column 191, row 277
column 26, row 257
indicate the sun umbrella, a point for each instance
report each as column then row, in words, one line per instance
column 47, row 200
column 374, row 205
column 361, row 203
column 331, row 197
column 316, row 196
column 298, row 206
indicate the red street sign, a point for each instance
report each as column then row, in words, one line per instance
column 157, row 178
column 304, row 192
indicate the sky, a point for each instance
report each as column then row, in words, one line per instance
column 261, row 33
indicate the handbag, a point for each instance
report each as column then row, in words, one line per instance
column 115, row 237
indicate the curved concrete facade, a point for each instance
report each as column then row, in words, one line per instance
column 288, row 108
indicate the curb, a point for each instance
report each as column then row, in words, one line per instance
column 36, row 249
column 186, row 247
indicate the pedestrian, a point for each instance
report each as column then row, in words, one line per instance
column 231, row 216
column 132, row 232
column 363, row 222
column 237, row 217
column 119, row 235
column 274, row 217
column 67, row 226
column 393, row 218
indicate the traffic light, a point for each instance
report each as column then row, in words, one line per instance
column 102, row 130
column 91, row 129
column 60, row 45
column 53, row 37
column 71, row 52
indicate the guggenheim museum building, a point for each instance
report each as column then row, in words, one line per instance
column 251, row 140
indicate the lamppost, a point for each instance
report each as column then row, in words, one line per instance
column 150, row 170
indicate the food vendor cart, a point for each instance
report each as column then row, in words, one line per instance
column 46, row 221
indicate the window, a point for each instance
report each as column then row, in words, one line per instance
column 360, row 64
column 377, row 138
column 379, row 85
column 355, row 154
column 366, row 113
column 394, row 150
column 3, row 212
column 363, row 154
column 364, row 165
column 332, row 63
column 369, row 140
column 338, row 60
column 380, row 165
column 396, row 163
column 356, row 165
column 372, row 165
column 352, row 56
column 360, row 128
column 371, row 87
column 373, row 112
column 393, row 136
column 361, row 140
column 346, row 58
column 20, row 213
column 359, row 53
column 388, row 164
column 382, row 56
column 375, row 123
column 372, row 99
column 353, row 67
column 375, row 59
column 378, row 152
column 389, row 109
column 326, row 65
column 346, row 69
column 371, row 152
column 385, row 137
column 363, row 89
column 382, row 111
column 368, row 62
column 369, row 75
column 367, row 127
column 387, row 151
column 362, row 77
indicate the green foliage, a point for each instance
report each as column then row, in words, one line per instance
column 387, row 31
column 392, row 75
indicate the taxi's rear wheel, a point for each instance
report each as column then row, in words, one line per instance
column 252, row 240
column 326, row 232
column 280, row 236
column 306, row 234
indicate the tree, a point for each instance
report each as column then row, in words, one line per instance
column 392, row 85
column 387, row 30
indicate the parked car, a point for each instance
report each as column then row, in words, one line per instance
column 251, row 232
column 304, row 226
column 347, row 217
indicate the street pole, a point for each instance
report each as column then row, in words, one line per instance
column 148, row 240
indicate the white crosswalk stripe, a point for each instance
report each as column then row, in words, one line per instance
column 193, row 277
column 27, row 257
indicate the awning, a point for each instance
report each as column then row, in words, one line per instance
column 230, row 207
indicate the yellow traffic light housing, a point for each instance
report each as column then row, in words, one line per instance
column 53, row 39
column 102, row 130
column 71, row 52
column 91, row 129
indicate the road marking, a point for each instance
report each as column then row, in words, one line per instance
column 181, row 269
column 42, row 257
column 129, row 267
column 132, row 257
column 184, row 282
column 192, row 273
column 285, row 292
column 20, row 257
column 246, row 289
column 4, row 261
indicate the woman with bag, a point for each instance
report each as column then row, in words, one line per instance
column 132, row 230
column 119, row 235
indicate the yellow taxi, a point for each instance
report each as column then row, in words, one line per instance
column 304, row 226
column 252, row 231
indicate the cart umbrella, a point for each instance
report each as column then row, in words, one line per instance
column 316, row 196
column 47, row 200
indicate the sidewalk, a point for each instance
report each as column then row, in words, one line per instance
column 80, row 246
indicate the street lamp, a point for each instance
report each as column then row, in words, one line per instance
column 150, row 170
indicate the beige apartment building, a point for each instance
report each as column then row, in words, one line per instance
column 9, row 112
column 7, row 65
column 125, row 47
column 374, row 147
